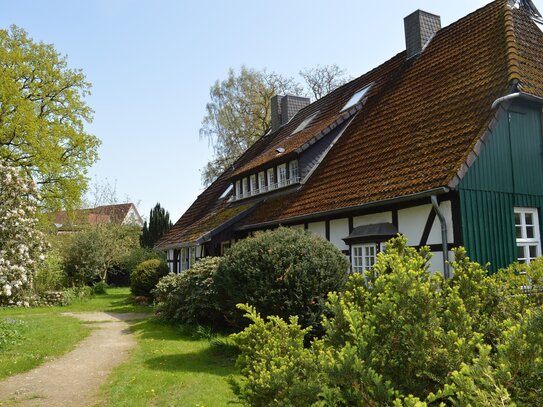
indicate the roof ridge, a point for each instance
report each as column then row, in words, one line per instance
column 512, row 53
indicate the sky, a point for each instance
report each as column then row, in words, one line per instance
column 151, row 64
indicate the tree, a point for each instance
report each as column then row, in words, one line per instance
column 159, row 224
column 240, row 109
column 98, row 250
column 22, row 245
column 324, row 79
column 42, row 118
column 239, row 113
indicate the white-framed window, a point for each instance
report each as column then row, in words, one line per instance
column 192, row 256
column 357, row 97
column 262, row 181
column 363, row 257
column 245, row 187
column 271, row 179
column 184, row 258
column 527, row 234
column 293, row 171
column 238, row 189
column 252, row 182
column 282, row 175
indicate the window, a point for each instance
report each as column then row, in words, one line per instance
column 245, row 187
column 305, row 123
column 293, row 169
column 271, row 179
column 184, row 259
column 262, row 181
column 192, row 256
column 253, row 184
column 527, row 234
column 363, row 257
column 282, row 174
column 238, row 189
column 538, row 22
column 357, row 97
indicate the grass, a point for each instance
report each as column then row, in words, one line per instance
column 171, row 367
column 47, row 334
column 41, row 337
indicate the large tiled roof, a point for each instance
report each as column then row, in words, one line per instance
column 420, row 122
column 93, row 216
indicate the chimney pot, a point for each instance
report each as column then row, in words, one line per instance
column 420, row 27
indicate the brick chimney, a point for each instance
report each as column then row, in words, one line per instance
column 283, row 108
column 420, row 27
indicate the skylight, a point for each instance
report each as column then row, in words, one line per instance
column 227, row 191
column 357, row 97
column 306, row 122
column 539, row 23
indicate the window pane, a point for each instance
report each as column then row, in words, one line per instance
column 517, row 219
column 518, row 232
column 520, row 252
column 529, row 218
column 533, row 252
column 530, row 232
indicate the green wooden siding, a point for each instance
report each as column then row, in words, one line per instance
column 507, row 174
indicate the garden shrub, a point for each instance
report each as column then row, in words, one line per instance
column 100, row 287
column 145, row 277
column 50, row 275
column 284, row 272
column 76, row 294
column 401, row 336
column 190, row 296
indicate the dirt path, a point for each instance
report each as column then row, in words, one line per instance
column 74, row 378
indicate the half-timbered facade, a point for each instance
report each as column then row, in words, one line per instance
column 442, row 143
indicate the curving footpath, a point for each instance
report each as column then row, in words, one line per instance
column 75, row 378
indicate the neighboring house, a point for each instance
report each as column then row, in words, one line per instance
column 442, row 143
column 120, row 214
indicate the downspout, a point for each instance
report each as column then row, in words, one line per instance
column 444, row 242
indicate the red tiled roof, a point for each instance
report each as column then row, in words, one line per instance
column 420, row 122
column 93, row 216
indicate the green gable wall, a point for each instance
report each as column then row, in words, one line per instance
column 507, row 174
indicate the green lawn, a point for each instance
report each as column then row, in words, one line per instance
column 171, row 368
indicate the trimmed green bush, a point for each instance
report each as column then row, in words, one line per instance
column 146, row 276
column 190, row 297
column 100, row 287
column 283, row 272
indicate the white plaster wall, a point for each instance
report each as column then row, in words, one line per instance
column 381, row 217
column 436, row 263
column 339, row 228
column 318, row 228
column 132, row 218
column 435, row 233
column 411, row 222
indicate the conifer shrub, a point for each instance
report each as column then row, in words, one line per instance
column 146, row 276
column 404, row 337
column 190, row 297
column 284, row 272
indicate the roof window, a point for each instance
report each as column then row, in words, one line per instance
column 538, row 22
column 226, row 191
column 305, row 122
column 280, row 150
column 357, row 97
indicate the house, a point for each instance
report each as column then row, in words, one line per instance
column 442, row 143
column 120, row 214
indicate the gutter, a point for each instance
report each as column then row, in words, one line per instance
column 444, row 242
column 515, row 95
column 404, row 198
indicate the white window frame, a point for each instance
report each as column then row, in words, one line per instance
column 192, row 256
column 238, row 189
column 282, row 175
column 293, row 172
column 524, row 242
column 271, row 179
column 362, row 259
column 262, row 181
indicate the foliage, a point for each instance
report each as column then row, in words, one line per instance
column 100, row 287
column 22, row 245
column 322, row 80
column 9, row 332
column 190, row 297
column 159, row 224
column 43, row 112
column 401, row 336
column 282, row 272
column 138, row 255
column 76, row 294
column 239, row 113
column 98, row 250
column 146, row 276
column 50, row 275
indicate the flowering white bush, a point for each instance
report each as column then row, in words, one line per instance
column 22, row 245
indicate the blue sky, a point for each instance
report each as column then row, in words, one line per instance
column 152, row 63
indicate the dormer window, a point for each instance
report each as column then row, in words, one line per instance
column 356, row 98
column 293, row 170
column 238, row 189
column 282, row 175
column 271, row 179
column 262, row 182
column 254, row 187
column 245, row 187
